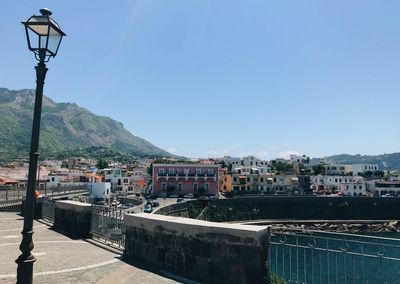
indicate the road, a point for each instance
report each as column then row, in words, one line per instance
column 161, row 201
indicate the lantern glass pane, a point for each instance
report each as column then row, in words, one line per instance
column 42, row 41
column 54, row 40
column 39, row 29
column 33, row 39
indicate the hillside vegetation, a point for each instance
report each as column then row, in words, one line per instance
column 66, row 129
column 384, row 161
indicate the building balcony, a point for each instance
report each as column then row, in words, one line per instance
column 187, row 176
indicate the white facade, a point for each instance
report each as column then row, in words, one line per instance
column 338, row 183
column 297, row 159
column 362, row 168
column 249, row 161
column 100, row 190
column 355, row 187
column 338, row 169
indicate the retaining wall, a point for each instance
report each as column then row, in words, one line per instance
column 299, row 208
column 73, row 218
column 204, row 251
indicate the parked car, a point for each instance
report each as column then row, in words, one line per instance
column 189, row 195
column 156, row 204
column 148, row 208
column 179, row 200
column 213, row 196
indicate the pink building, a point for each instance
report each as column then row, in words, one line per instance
column 185, row 178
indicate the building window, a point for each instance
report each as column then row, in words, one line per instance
column 206, row 186
column 198, row 171
column 248, row 179
column 195, row 186
column 171, row 171
column 210, row 171
column 160, row 171
column 180, row 186
column 360, row 186
column 163, row 186
column 355, row 187
column 234, row 179
column 261, row 179
column 186, row 171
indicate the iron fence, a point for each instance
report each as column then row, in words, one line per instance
column 299, row 256
column 10, row 206
column 48, row 209
column 19, row 193
column 107, row 225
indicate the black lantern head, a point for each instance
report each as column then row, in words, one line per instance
column 44, row 35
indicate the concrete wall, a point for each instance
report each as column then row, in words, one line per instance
column 203, row 251
column 73, row 218
column 299, row 208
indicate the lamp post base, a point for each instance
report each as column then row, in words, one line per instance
column 25, row 269
column 25, row 260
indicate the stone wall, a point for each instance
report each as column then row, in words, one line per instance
column 204, row 251
column 299, row 208
column 73, row 218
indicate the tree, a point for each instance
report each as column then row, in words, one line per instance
column 318, row 169
column 102, row 164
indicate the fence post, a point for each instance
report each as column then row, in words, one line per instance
column 6, row 193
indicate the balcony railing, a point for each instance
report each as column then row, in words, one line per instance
column 188, row 175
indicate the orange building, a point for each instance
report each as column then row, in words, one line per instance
column 225, row 181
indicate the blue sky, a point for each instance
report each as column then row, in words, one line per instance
column 204, row 78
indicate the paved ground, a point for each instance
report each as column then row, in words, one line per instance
column 63, row 260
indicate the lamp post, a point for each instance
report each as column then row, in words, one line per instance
column 44, row 37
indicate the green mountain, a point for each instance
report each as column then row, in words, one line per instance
column 66, row 129
column 384, row 161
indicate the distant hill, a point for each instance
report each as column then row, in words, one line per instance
column 66, row 129
column 385, row 161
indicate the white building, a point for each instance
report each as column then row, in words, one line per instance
column 380, row 188
column 338, row 169
column 249, row 161
column 297, row 159
column 101, row 190
column 362, row 168
column 354, row 187
column 337, row 183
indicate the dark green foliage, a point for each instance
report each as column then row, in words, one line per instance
column 318, row 169
column 66, row 130
column 283, row 168
column 102, row 164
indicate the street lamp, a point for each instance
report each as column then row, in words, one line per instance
column 44, row 37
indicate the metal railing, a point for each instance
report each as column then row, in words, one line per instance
column 48, row 209
column 299, row 256
column 107, row 225
column 18, row 193
column 10, row 205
